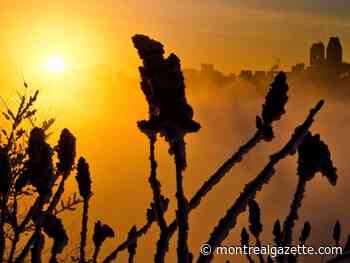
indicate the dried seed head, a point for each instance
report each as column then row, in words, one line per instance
column 83, row 178
column 275, row 99
column 314, row 156
column 66, row 150
column 164, row 88
column 274, row 106
column 39, row 165
column 101, row 233
column 5, row 172
column 305, row 233
column 255, row 226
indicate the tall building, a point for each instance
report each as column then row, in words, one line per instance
column 334, row 52
column 317, row 54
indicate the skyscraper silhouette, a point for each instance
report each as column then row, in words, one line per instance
column 317, row 54
column 334, row 52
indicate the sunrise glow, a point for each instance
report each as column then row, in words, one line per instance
column 55, row 65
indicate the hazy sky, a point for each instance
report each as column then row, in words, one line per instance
column 231, row 34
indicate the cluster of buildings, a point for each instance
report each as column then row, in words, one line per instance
column 325, row 60
column 325, row 63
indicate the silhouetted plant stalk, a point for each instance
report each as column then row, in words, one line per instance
column 182, row 207
column 101, row 233
column 54, row 228
column 38, row 248
column 151, row 218
column 314, row 156
column 39, row 155
column 84, row 182
column 84, row 230
column 160, row 204
column 228, row 222
column 24, row 111
column 293, row 214
column 170, row 115
column 16, row 230
column 40, row 175
column 273, row 109
column 133, row 246
column 5, row 177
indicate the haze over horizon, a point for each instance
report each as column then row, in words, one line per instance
column 233, row 36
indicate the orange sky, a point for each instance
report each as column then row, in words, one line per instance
column 246, row 34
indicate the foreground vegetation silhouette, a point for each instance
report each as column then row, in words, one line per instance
column 32, row 170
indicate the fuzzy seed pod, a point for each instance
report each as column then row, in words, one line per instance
column 101, row 233
column 305, row 233
column 39, row 165
column 66, row 150
column 83, row 178
column 314, row 156
column 274, row 106
column 164, row 88
column 275, row 99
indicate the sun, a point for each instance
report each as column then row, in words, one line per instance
column 55, row 65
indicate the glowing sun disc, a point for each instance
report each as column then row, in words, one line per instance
column 55, row 65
